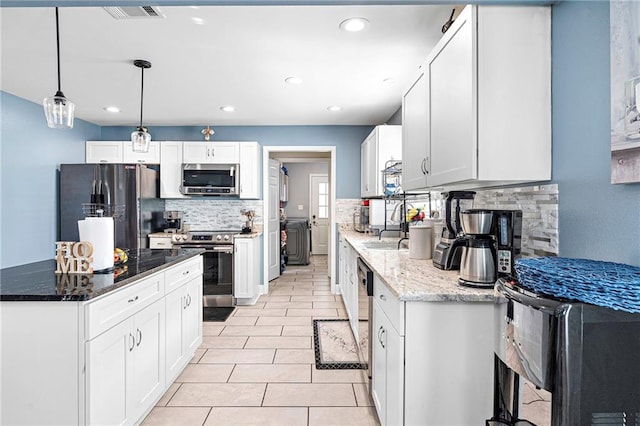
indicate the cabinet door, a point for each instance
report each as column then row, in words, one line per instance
column 175, row 353
column 170, row 170
column 103, row 151
column 453, row 119
column 415, row 135
column 249, row 170
column 148, row 358
column 196, row 152
column 109, row 376
column 379, row 366
column 211, row 152
column 150, row 157
column 242, row 264
column 365, row 148
column 395, row 375
column 192, row 324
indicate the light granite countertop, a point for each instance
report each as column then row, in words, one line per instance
column 413, row 279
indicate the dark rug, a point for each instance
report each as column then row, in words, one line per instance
column 217, row 313
column 335, row 347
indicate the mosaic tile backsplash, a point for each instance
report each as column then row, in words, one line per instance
column 539, row 205
column 215, row 214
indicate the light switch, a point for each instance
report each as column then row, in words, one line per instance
column 300, row 207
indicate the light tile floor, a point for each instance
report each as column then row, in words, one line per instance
column 258, row 367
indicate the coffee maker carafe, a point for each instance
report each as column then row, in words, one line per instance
column 492, row 242
column 447, row 253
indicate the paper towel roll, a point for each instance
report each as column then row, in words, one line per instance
column 99, row 232
column 420, row 242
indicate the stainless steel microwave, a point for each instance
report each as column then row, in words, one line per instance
column 210, row 179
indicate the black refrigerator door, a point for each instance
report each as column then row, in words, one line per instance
column 75, row 187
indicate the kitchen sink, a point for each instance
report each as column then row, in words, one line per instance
column 382, row 245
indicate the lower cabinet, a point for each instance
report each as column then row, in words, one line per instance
column 246, row 270
column 432, row 361
column 125, row 368
column 349, row 283
column 183, row 326
column 387, row 386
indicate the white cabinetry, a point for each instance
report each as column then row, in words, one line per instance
column 183, row 285
column 349, row 283
column 129, row 156
column 171, row 170
column 120, row 152
column 125, row 368
column 246, row 269
column 388, row 350
column 486, row 101
column 249, row 170
column 384, row 143
column 211, row 152
column 104, row 151
column 103, row 361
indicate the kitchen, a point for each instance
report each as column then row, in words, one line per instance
column 591, row 210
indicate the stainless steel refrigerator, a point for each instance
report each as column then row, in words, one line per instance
column 128, row 192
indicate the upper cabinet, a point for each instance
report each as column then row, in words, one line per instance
column 211, row 152
column 479, row 111
column 249, row 170
column 171, row 170
column 119, row 152
column 384, row 143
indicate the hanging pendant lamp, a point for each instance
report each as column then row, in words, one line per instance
column 58, row 109
column 141, row 137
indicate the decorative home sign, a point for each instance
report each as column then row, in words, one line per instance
column 625, row 91
column 74, row 257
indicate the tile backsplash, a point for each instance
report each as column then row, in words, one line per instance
column 210, row 214
column 539, row 205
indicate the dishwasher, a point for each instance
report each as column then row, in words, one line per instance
column 365, row 311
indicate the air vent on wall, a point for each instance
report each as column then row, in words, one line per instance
column 134, row 12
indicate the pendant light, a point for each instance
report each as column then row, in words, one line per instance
column 140, row 137
column 58, row 109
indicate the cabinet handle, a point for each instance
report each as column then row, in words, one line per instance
column 213, row 152
column 384, row 332
column 139, row 333
column 422, row 169
column 426, row 171
column 188, row 300
column 140, row 161
column 184, row 302
column 104, row 161
column 133, row 300
column 382, row 297
column 133, row 342
column 185, row 272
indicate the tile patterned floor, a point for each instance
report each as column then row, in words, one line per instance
column 258, row 367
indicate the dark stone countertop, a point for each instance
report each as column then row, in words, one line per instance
column 38, row 281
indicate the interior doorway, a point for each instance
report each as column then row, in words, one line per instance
column 299, row 155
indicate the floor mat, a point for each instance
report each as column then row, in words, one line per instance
column 217, row 313
column 335, row 347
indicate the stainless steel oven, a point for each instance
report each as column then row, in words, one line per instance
column 365, row 312
column 217, row 287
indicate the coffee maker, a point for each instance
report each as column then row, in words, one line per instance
column 492, row 241
column 173, row 221
column 447, row 253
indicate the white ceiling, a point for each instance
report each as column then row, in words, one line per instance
column 240, row 56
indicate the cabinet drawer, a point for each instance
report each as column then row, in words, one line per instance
column 182, row 273
column 111, row 309
column 160, row 243
column 392, row 307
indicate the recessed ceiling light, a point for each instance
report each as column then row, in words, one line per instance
column 388, row 80
column 198, row 21
column 353, row 25
column 227, row 108
column 334, row 108
column 111, row 109
column 293, row 80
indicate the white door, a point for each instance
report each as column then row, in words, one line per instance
column 319, row 213
column 274, row 219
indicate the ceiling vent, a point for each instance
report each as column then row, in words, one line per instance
column 134, row 12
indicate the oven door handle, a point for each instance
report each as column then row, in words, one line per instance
column 224, row 248
column 549, row 306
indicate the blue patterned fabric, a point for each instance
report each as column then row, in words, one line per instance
column 608, row 284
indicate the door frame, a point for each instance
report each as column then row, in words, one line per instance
column 266, row 153
column 311, row 176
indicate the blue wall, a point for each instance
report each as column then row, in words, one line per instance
column 347, row 140
column 30, row 154
column 597, row 220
